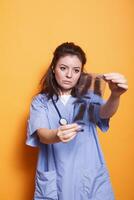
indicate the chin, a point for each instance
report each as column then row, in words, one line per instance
column 67, row 87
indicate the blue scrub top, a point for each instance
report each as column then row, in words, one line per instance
column 75, row 170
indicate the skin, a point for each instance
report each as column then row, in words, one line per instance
column 118, row 86
column 67, row 73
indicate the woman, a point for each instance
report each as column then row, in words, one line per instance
column 62, row 123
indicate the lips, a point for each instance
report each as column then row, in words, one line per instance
column 67, row 82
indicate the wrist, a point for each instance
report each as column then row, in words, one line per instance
column 115, row 95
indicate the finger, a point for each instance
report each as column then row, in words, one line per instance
column 124, row 86
column 121, row 81
column 68, row 126
column 68, row 132
column 65, row 132
column 67, row 140
column 67, row 136
column 113, row 76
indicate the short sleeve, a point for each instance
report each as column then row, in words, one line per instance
column 37, row 119
column 103, row 124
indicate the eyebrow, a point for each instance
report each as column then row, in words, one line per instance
column 68, row 66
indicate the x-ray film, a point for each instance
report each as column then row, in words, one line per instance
column 88, row 82
column 91, row 82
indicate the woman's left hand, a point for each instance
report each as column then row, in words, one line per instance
column 117, row 83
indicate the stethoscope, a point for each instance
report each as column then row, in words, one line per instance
column 62, row 120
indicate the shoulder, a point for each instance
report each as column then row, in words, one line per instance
column 39, row 99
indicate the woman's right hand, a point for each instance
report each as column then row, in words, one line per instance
column 68, row 132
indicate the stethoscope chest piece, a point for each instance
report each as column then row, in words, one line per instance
column 63, row 121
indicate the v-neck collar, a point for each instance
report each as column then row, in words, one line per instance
column 61, row 98
column 59, row 102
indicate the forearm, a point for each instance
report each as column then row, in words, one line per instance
column 47, row 136
column 110, row 107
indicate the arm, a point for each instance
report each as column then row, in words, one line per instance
column 48, row 136
column 118, row 85
column 110, row 107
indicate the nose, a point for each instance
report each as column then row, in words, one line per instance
column 69, row 74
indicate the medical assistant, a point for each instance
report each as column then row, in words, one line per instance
column 75, row 170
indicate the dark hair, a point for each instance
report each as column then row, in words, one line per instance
column 48, row 82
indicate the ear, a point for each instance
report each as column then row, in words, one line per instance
column 53, row 70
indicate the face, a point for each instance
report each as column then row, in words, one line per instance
column 67, row 72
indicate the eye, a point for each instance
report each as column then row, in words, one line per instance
column 77, row 71
column 62, row 68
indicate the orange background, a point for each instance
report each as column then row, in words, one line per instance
column 30, row 31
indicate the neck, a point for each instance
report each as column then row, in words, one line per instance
column 64, row 92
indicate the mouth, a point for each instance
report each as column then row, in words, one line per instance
column 67, row 82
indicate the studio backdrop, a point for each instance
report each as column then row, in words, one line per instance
column 30, row 31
